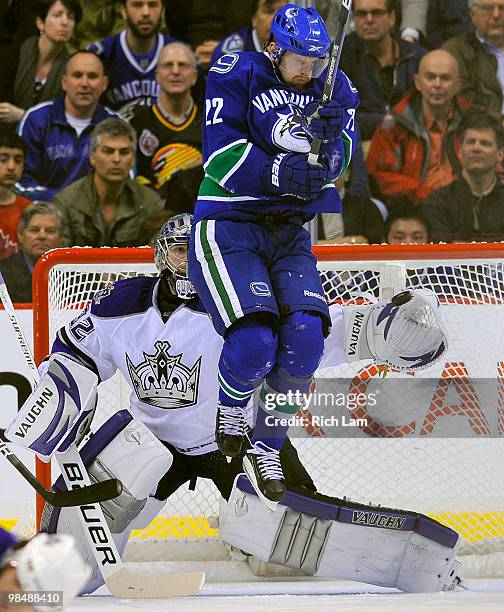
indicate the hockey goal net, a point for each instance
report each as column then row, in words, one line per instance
column 430, row 442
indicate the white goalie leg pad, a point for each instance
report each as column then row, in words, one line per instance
column 123, row 448
column 405, row 332
column 390, row 548
column 56, row 411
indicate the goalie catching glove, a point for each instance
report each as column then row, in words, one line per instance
column 405, row 332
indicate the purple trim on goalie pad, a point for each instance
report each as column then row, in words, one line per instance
column 99, row 440
column 367, row 516
column 45, row 444
column 435, row 531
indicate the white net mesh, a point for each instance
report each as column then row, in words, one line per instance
column 431, row 443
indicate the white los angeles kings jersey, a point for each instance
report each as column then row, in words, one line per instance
column 171, row 367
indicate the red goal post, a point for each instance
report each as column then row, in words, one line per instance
column 448, row 477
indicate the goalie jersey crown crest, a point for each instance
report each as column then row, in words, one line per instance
column 162, row 380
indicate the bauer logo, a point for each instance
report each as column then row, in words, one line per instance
column 260, row 289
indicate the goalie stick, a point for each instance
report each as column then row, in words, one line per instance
column 344, row 16
column 98, row 492
column 120, row 581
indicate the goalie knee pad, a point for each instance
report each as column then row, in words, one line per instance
column 249, row 351
column 123, row 448
column 405, row 332
column 300, row 343
column 58, row 410
column 333, row 538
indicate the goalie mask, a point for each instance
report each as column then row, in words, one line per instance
column 170, row 254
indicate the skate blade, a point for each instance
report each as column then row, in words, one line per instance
column 249, row 471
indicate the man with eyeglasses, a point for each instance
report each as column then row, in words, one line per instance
column 170, row 131
column 480, row 55
column 381, row 65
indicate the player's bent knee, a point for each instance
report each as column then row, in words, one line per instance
column 301, row 343
column 250, row 348
column 332, row 538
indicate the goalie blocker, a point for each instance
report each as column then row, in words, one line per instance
column 334, row 538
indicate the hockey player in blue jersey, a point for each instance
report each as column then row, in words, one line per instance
column 251, row 259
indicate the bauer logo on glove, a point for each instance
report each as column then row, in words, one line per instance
column 404, row 332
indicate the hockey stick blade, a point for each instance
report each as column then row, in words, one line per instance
column 101, row 491
column 92, row 494
column 125, row 584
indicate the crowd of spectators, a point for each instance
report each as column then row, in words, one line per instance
column 102, row 105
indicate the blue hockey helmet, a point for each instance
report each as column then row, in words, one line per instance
column 170, row 254
column 300, row 30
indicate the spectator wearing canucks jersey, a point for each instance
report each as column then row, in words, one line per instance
column 131, row 56
column 170, row 132
column 252, row 37
column 57, row 132
column 107, row 208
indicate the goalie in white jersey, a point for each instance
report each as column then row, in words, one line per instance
column 156, row 332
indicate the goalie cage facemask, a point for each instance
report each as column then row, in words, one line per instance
column 170, row 254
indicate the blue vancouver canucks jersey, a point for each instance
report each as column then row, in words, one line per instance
column 251, row 115
column 132, row 77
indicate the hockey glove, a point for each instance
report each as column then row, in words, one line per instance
column 323, row 122
column 291, row 174
column 405, row 332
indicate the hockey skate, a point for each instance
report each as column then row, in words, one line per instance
column 264, row 470
column 230, row 429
